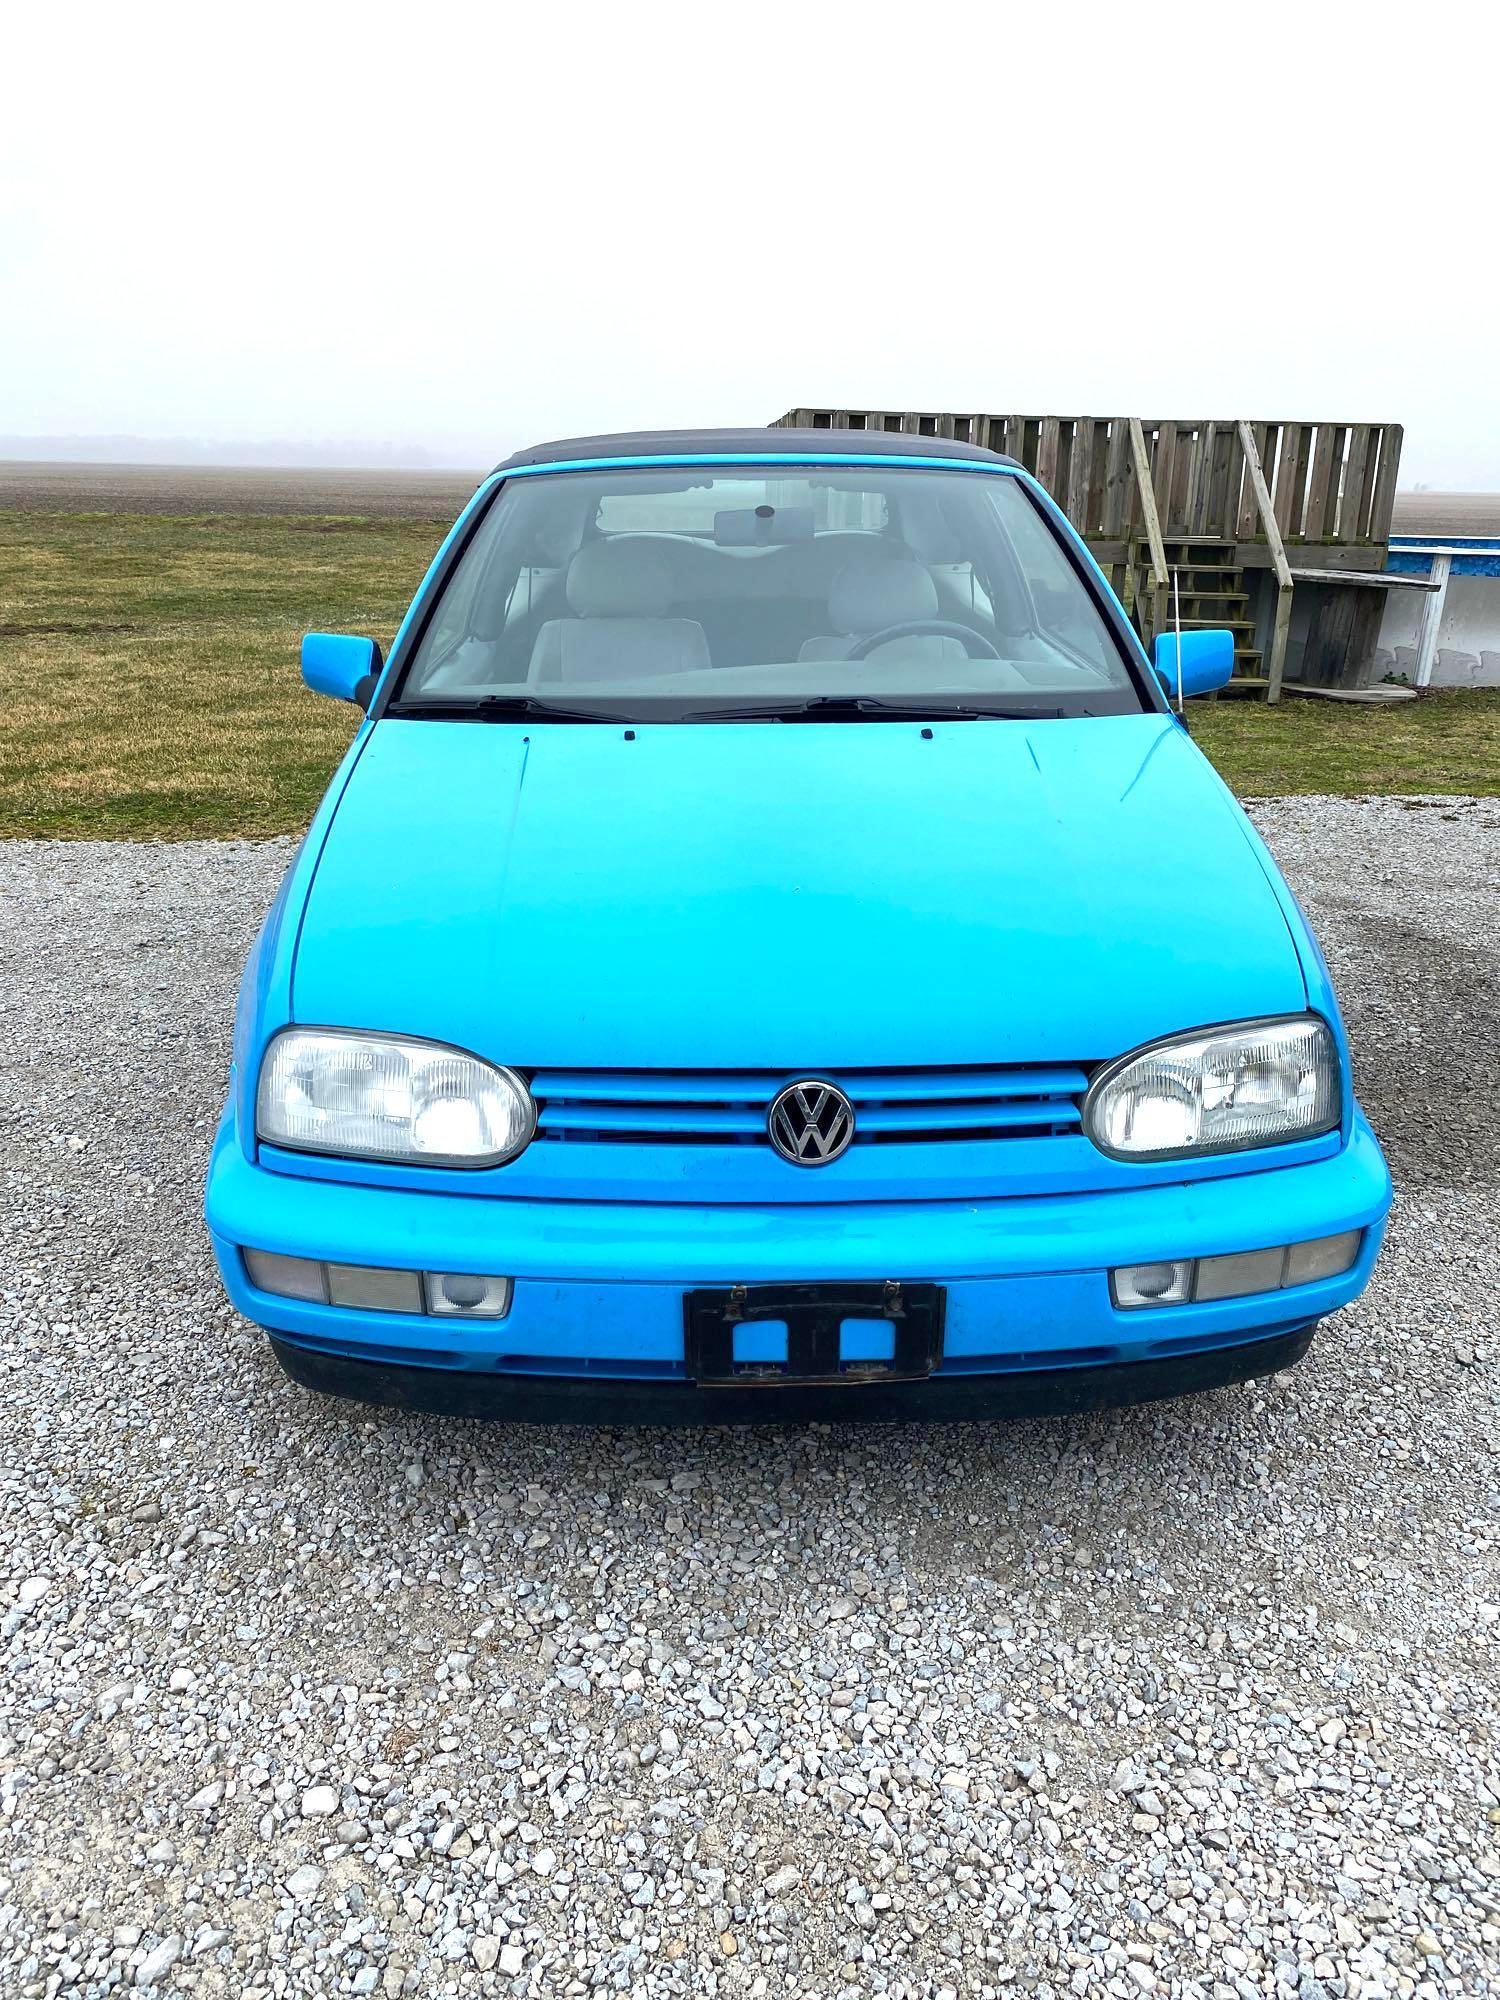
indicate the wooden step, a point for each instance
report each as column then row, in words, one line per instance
column 1205, row 576
column 1242, row 628
column 1199, row 555
column 1214, row 608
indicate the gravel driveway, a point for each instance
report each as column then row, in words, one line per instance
column 1196, row 1699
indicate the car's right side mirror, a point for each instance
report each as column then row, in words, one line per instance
column 1207, row 661
column 338, row 664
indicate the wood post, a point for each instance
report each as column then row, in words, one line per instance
column 1432, row 618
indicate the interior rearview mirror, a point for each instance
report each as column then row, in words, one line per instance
column 338, row 664
column 1207, row 661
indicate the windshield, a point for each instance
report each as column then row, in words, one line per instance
column 668, row 593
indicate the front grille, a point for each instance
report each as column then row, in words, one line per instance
column 728, row 1108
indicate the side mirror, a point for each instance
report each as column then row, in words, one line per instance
column 338, row 664
column 1207, row 661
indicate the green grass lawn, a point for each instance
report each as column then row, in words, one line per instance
column 150, row 689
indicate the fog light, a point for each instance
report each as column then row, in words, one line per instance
column 373, row 1289
column 462, row 1294
column 1153, row 1284
column 1323, row 1257
column 1244, row 1272
column 287, row 1277
column 1237, row 1275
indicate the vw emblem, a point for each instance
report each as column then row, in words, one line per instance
column 810, row 1123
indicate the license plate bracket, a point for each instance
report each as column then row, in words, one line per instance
column 814, row 1316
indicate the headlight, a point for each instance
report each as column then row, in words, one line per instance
column 385, row 1097
column 1253, row 1084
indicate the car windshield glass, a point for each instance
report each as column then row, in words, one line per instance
column 737, row 592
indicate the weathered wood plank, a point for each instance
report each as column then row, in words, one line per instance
column 1046, row 452
column 1118, row 480
column 1062, row 474
column 1290, row 472
column 1364, row 532
column 1327, row 454
column 1163, row 473
column 1346, row 526
column 1185, row 479
column 1078, row 454
column 1264, row 507
column 1264, row 439
column 1179, row 504
column 1080, row 476
column 1203, row 475
column 1099, row 471
column 1224, row 505
column 1385, row 483
column 1384, row 579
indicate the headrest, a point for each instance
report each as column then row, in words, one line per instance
column 623, row 578
column 927, row 531
column 554, row 532
column 873, row 591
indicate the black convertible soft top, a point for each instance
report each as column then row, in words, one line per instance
column 805, row 443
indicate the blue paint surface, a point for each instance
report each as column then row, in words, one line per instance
column 714, row 897
column 808, row 900
column 1481, row 555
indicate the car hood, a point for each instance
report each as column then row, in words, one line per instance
column 790, row 896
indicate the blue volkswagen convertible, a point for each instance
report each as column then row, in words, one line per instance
column 773, row 950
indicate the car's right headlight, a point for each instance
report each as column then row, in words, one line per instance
column 1256, row 1083
column 390, row 1097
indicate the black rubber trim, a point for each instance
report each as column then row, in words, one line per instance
column 956, row 1398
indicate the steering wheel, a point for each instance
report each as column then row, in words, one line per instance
column 974, row 643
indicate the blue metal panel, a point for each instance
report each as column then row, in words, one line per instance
column 1207, row 661
column 636, row 1328
column 334, row 663
column 265, row 994
column 685, row 1244
column 852, row 896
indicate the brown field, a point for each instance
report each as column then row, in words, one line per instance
column 34, row 486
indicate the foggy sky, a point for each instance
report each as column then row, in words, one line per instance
column 458, row 231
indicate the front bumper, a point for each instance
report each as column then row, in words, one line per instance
column 596, row 1320
column 942, row 1398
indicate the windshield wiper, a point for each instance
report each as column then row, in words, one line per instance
column 815, row 708
column 504, row 708
column 864, row 708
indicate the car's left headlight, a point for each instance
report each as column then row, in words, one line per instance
column 1256, row 1083
column 390, row 1097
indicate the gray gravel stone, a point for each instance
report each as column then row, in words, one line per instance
column 1199, row 1699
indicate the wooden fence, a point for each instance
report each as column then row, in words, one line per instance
column 1329, row 483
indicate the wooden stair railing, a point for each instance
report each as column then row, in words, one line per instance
column 1141, row 462
column 1276, row 663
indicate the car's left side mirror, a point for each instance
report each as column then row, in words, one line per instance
column 1207, row 661
column 338, row 664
